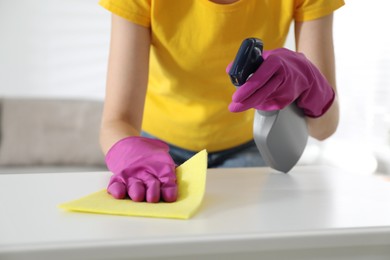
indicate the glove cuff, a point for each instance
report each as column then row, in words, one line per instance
column 323, row 109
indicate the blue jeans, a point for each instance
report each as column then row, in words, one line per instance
column 245, row 155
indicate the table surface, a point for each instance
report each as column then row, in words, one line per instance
column 243, row 209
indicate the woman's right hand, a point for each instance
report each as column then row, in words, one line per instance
column 142, row 169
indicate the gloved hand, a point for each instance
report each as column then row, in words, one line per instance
column 284, row 77
column 143, row 169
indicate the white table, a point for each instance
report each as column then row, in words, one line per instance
column 314, row 212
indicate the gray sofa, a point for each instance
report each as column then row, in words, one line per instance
column 50, row 135
column 61, row 135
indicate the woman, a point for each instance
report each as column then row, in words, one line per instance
column 168, row 95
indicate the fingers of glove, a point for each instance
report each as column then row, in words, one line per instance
column 271, row 104
column 275, row 103
column 136, row 189
column 169, row 189
column 117, row 190
column 162, row 185
column 229, row 66
column 144, row 187
column 152, row 190
column 258, row 98
column 267, row 53
column 148, row 190
column 266, row 75
column 238, row 107
column 167, row 179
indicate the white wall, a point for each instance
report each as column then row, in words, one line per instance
column 362, row 43
column 53, row 48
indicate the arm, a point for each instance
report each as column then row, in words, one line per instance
column 126, row 82
column 142, row 167
column 315, row 40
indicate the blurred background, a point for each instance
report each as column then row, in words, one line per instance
column 57, row 50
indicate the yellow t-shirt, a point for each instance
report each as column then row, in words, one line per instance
column 192, row 43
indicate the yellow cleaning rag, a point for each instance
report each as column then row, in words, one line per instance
column 191, row 179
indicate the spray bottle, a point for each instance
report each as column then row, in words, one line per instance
column 280, row 135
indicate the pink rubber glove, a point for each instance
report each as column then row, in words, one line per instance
column 142, row 169
column 284, row 77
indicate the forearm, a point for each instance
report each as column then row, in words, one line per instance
column 127, row 79
column 324, row 126
column 315, row 40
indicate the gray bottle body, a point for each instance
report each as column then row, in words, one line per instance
column 280, row 136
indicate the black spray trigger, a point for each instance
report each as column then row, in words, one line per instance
column 247, row 61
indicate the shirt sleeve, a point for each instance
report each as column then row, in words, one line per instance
column 306, row 10
column 136, row 11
